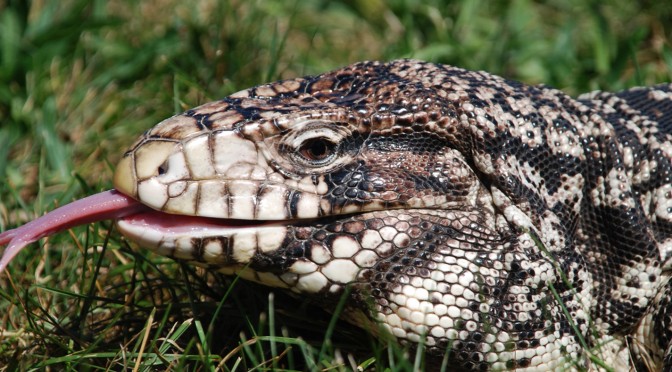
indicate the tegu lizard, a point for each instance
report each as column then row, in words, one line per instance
column 507, row 225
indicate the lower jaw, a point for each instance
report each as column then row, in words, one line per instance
column 206, row 241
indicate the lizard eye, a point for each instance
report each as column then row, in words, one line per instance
column 312, row 147
column 317, row 150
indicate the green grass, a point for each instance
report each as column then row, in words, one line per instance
column 79, row 80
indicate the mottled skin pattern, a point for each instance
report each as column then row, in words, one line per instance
column 459, row 207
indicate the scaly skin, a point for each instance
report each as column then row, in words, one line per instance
column 453, row 203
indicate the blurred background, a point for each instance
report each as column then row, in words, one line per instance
column 79, row 80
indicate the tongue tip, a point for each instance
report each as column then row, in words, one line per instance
column 15, row 246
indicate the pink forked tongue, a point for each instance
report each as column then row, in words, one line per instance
column 102, row 206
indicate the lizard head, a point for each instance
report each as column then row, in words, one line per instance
column 355, row 177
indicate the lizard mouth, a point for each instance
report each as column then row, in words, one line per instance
column 175, row 223
column 133, row 217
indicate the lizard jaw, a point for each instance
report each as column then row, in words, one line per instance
column 227, row 244
column 208, row 241
column 167, row 234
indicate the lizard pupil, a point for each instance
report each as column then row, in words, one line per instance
column 317, row 149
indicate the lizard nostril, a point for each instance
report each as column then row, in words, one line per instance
column 163, row 168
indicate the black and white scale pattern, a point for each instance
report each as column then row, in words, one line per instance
column 508, row 225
